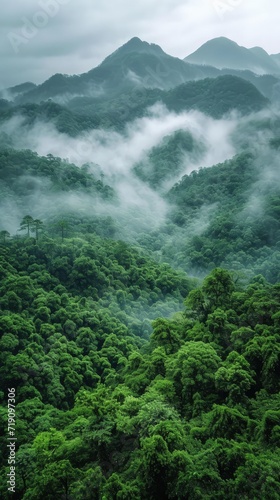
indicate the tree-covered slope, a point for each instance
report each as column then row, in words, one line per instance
column 193, row 412
column 166, row 161
column 218, row 96
column 214, row 97
column 18, row 90
column 64, row 120
column 229, row 215
column 16, row 165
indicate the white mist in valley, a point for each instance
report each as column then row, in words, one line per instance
column 117, row 153
column 114, row 154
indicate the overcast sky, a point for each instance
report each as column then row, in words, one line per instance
column 41, row 37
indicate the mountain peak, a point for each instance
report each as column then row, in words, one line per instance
column 135, row 44
column 215, row 45
column 224, row 53
column 221, row 40
column 259, row 51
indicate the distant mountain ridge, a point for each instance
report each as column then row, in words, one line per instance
column 136, row 63
column 139, row 64
column 224, row 53
column 214, row 97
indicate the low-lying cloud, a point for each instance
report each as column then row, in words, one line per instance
column 115, row 154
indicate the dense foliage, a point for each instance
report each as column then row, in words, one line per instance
column 104, row 414
column 224, row 215
column 24, row 172
column 166, row 160
column 214, row 97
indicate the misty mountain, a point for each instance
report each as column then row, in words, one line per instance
column 141, row 140
column 224, row 53
column 214, row 97
column 229, row 213
column 147, row 65
column 136, row 63
column 49, row 112
column 13, row 92
column 49, row 187
column 268, row 85
column 139, row 281
column 223, row 214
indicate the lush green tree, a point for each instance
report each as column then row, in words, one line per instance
column 193, row 371
column 4, row 236
column 37, row 226
column 26, row 224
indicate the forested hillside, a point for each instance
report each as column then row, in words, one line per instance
column 103, row 413
column 139, row 282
